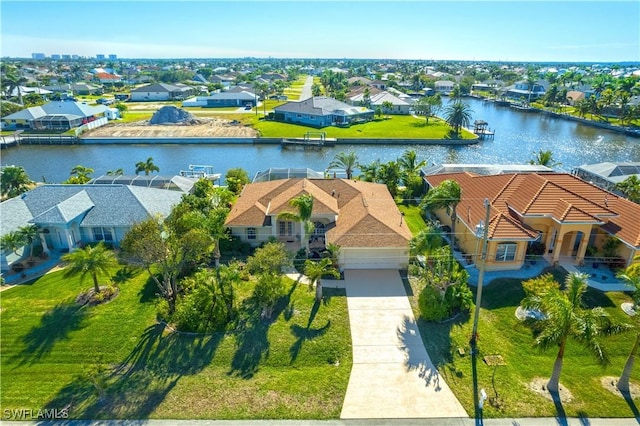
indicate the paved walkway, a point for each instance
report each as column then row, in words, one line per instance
column 392, row 376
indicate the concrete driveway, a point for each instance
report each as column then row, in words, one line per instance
column 392, row 375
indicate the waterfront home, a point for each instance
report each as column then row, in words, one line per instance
column 222, row 99
column 160, row 92
column 378, row 100
column 68, row 216
column 522, row 90
column 606, row 175
column 321, row 111
column 444, row 87
column 574, row 96
column 360, row 217
column 56, row 115
column 559, row 210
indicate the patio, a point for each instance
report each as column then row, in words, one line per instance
column 39, row 268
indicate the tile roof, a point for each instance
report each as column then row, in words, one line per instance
column 559, row 196
column 367, row 216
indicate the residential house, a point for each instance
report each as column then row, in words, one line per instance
column 379, row 84
column 360, row 217
column 444, row 87
column 223, row 99
column 321, row 111
column 358, row 81
column 68, row 216
column 574, row 96
column 559, row 210
column 57, row 115
column 160, row 92
column 377, row 100
column 522, row 90
column 606, row 175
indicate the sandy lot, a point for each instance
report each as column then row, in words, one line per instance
column 211, row 128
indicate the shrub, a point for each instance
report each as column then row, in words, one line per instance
column 432, row 304
column 536, row 248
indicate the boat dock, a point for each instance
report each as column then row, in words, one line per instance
column 481, row 129
column 311, row 140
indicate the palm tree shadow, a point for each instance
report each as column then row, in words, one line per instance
column 55, row 325
column 632, row 405
column 134, row 388
column 252, row 340
column 306, row 333
column 561, row 416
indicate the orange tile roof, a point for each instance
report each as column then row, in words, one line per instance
column 367, row 214
column 561, row 196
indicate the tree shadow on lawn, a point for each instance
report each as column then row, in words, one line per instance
column 55, row 325
column 252, row 341
column 443, row 352
column 149, row 291
column 306, row 333
column 134, row 388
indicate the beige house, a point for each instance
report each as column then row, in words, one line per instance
column 360, row 217
column 560, row 210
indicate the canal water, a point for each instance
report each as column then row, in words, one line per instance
column 518, row 135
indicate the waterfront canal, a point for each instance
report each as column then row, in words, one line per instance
column 518, row 135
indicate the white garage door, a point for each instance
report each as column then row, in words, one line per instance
column 367, row 258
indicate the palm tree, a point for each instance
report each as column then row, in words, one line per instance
column 544, row 158
column 426, row 242
column 80, row 175
column 346, row 161
column 446, row 195
column 630, row 188
column 116, row 172
column 458, row 115
column 631, row 276
column 565, row 316
column 12, row 241
column 387, row 106
column 371, row 171
column 146, row 166
column 29, row 234
column 390, row 175
column 90, row 260
column 531, row 80
column 409, row 162
column 316, row 270
column 14, row 181
column 304, row 204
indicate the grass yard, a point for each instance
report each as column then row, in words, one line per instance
column 132, row 116
column 413, row 218
column 396, row 127
column 55, row 354
column 501, row 333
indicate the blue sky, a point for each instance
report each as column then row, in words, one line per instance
column 565, row 31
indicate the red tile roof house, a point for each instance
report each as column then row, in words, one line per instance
column 560, row 210
column 360, row 217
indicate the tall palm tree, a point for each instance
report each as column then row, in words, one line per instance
column 316, row 270
column 409, row 162
column 531, row 80
column 304, row 204
column 390, row 174
column 457, row 115
column 371, row 171
column 566, row 317
column 29, row 235
column 90, row 260
column 445, row 195
column 346, row 161
column 14, row 181
column 146, row 166
column 544, row 158
column 631, row 276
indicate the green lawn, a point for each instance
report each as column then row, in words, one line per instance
column 501, row 333
column 396, row 127
column 131, row 116
column 413, row 217
column 263, row 370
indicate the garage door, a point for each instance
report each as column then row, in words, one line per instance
column 366, row 258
